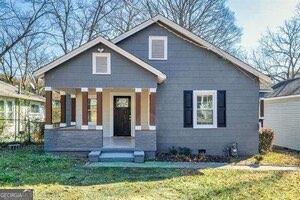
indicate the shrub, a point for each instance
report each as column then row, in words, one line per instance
column 173, row 151
column 266, row 137
column 185, row 151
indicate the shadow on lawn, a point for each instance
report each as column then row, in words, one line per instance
column 31, row 166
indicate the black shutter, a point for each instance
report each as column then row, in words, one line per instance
column 221, row 108
column 188, row 108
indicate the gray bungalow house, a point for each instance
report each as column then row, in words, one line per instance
column 152, row 88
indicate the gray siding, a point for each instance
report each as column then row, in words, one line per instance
column 72, row 140
column 283, row 116
column 145, row 140
column 191, row 68
column 77, row 73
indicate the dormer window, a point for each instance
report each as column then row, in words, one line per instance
column 158, row 47
column 101, row 63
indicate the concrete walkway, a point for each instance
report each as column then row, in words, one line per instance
column 190, row 165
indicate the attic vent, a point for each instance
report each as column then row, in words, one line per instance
column 158, row 47
column 101, row 63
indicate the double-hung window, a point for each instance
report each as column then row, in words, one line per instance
column 158, row 47
column 205, row 109
column 101, row 63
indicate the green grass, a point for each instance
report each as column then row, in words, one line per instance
column 275, row 157
column 54, row 177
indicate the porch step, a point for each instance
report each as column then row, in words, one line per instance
column 116, row 157
column 116, row 150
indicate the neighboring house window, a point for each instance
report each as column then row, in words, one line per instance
column 261, row 109
column 101, row 63
column 92, row 108
column 158, row 47
column 205, row 109
column 34, row 109
column 2, row 110
column 9, row 110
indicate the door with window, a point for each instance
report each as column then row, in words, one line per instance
column 122, row 116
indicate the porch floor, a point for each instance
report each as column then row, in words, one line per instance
column 118, row 142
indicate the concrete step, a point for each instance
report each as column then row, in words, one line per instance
column 94, row 156
column 117, row 149
column 116, row 157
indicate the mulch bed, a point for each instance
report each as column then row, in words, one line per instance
column 190, row 158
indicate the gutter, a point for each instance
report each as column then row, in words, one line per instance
column 281, row 97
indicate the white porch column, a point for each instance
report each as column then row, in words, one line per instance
column 73, row 109
column 152, row 109
column 138, row 92
column 62, row 109
column 84, row 92
column 99, row 125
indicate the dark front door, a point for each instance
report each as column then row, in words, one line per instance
column 122, row 116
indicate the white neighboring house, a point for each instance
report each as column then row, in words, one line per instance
column 16, row 109
column 282, row 113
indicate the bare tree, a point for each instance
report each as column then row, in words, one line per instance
column 210, row 19
column 18, row 22
column 279, row 51
column 76, row 22
column 29, row 56
column 92, row 17
column 131, row 13
column 20, row 61
column 62, row 19
column 8, row 67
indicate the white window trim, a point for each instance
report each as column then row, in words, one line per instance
column 215, row 103
column 165, row 39
column 107, row 55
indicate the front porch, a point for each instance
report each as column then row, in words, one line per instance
column 94, row 119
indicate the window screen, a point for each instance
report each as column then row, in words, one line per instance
column 101, row 64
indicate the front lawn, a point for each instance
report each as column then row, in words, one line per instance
column 54, row 177
column 275, row 157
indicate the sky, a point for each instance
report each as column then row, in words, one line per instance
column 256, row 16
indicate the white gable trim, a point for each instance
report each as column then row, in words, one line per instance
column 197, row 39
column 40, row 72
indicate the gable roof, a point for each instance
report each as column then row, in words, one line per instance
column 286, row 88
column 13, row 92
column 40, row 72
column 262, row 77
